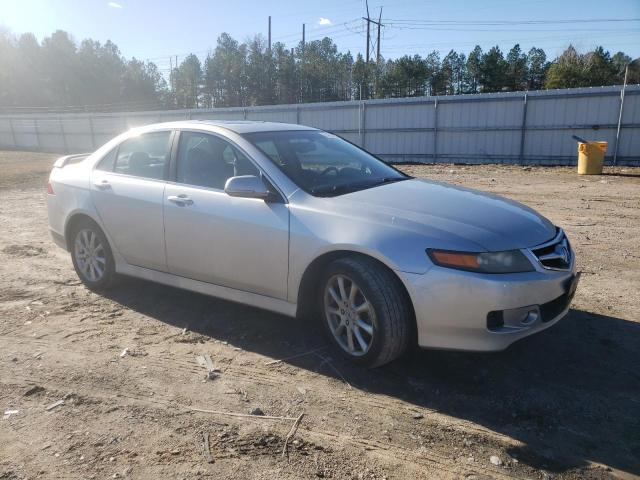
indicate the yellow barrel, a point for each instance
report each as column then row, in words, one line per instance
column 591, row 157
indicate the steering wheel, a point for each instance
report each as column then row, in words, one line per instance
column 364, row 168
column 329, row 169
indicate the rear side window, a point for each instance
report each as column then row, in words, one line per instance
column 107, row 162
column 145, row 155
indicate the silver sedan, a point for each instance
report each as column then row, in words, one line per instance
column 301, row 222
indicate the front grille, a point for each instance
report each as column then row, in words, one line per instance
column 555, row 254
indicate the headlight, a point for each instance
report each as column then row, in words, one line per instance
column 511, row 261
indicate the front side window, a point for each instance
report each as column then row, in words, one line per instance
column 323, row 164
column 144, row 155
column 206, row 160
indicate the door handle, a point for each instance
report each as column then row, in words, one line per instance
column 102, row 184
column 180, row 200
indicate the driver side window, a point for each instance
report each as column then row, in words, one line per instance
column 206, row 160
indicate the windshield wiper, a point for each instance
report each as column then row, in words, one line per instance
column 329, row 190
column 384, row 180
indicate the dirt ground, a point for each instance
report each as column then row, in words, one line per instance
column 561, row 404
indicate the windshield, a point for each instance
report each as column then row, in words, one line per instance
column 323, row 164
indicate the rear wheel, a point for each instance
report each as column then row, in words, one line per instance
column 91, row 255
column 365, row 311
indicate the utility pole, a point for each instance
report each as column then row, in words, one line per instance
column 269, row 32
column 301, row 85
column 171, row 74
column 369, row 43
column 378, row 42
column 368, row 19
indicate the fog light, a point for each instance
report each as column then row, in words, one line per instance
column 495, row 320
column 513, row 319
column 532, row 316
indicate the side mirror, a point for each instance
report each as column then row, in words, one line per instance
column 247, row 186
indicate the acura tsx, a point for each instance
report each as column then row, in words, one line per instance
column 299, row 221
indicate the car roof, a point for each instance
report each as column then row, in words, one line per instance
column 237, row 126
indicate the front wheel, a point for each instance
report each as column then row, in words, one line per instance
column 365, row 311
column 91, row 255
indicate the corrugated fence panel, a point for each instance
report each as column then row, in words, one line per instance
column 488, row 131
column 400, row 132
column 26, row 134
column 557, row 145
column 480, row 128
column 172, row 116
column 235, row 114
column 284, row 116
column 485, row 146
column 6, row 132
column 51, row 134
column 77, row 131
column 133, row 120
column 480, row 114
column 335, row 119
column 406, row 144
column 350, row 137
column 631, row 113
column 630, row 136
column 398, row 116
column 77, row 125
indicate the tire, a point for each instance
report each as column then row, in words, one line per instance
column 384, row 325
column 95, row 267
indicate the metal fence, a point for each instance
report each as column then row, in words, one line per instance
column 514, row 127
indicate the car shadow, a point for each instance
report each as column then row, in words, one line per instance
column 570, row 394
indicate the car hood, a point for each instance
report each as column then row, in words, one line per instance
column 450, row 213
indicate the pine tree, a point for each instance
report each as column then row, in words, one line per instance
column 516, row 69
column 566, row 71
column 187, row 80
column 599, row 68
column 473, row 70
column 493, row 71
column 537, row 67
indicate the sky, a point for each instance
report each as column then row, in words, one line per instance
column 158, row 29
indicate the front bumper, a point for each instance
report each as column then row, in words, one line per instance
column 452, row 306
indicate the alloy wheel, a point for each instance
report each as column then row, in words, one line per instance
column 350, row 316
column 90, row 255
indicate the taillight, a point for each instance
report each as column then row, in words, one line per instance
column 50, row 189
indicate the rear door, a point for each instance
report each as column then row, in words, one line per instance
column 242, row 243
column 128, row 190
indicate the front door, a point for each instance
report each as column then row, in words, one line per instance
column 242, row 243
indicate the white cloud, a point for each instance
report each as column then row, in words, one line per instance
column 114, row 5
column 324, row 21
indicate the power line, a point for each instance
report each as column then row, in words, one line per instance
column 344, row 29
column 510, row 22
column 449, row 45
column 324, row 29
column 467, row 29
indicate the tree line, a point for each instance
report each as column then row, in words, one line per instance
column 57, row 73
